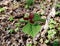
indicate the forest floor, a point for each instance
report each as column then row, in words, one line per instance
column 10, row 21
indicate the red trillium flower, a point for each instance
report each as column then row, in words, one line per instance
column 31, row 21
column 31, row 16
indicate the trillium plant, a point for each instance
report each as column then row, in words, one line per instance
column 32, row 27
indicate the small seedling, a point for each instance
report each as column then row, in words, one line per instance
column 55, row 43
column 52, row 24
column 58, row 5
column 21, row 20
column 11, row 18
column 46, row 41
column 2, row 9
column 51, row 33
column 16, row 29
column 32, row 27
column 29, row 44
column 29, row 3
column 11, row 31
column 52, row 21
column 17, row 24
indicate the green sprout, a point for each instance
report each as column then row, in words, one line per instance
column 51, row 33
column 55, row 43
column 16, row 29
column 2, row 9
column 29, row 3
column 11, row 31
column 29, row 44
column 46, row 41
column 52, row 24
column 32, row 27
column 11, row 18
column 17, row 24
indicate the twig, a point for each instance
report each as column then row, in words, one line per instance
column 51, row 14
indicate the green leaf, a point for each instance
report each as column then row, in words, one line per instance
column 51, row 26
column 58, row 5
column 31, row 29
column 17, row 24
column 29, row 2
column 52, row 21
column 11, row 18
column 58, row 12
column 29, row 44
column 22, row 20
column 2, row 9
column 46, row 41
column 16, row 29
column 11, row 31
column 55, row 43
column 38, row 18
column 59, row 28
column 51, row 33
column 26, row 29
column 35, row 30
column 42, row 20
column 49, row 36
column 26, row 6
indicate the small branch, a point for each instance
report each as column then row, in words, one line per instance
column 51, row 14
